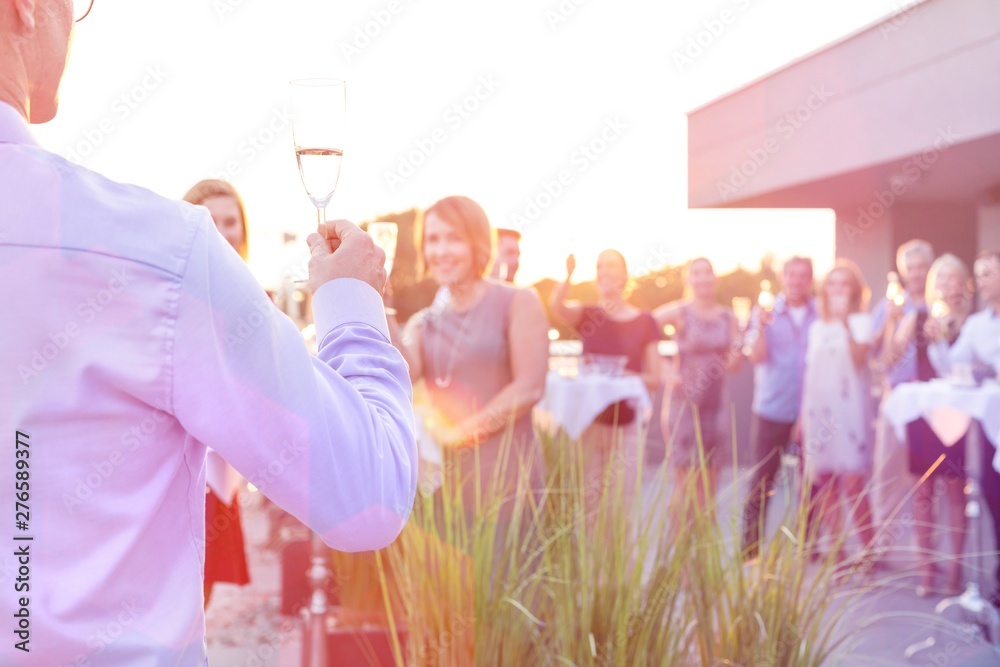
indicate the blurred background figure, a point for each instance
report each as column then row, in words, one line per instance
column 891, row 481
column 777, row 347
column 482, row 351
column 978, row 350
column 614, row 328
column 949, row 298
column 508, row 255
column 834, row 424
column 695, row 416
column 225, row 553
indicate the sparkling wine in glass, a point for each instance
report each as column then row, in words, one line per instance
column 319, row 115
column 319, row 167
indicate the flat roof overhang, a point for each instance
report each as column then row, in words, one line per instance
column 908, row 106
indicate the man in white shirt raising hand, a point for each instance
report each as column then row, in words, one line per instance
column 134, row 336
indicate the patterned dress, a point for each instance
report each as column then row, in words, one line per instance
column 834, row 395
column 700, row 404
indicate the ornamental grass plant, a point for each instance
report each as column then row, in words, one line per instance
column 597, row 575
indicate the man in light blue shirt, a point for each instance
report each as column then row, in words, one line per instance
column 978, row 346
column 134, row 336
column 778, row 350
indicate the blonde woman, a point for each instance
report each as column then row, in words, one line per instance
column 950, row 299
column 834, row 422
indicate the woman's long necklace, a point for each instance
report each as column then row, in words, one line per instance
column 445, row 382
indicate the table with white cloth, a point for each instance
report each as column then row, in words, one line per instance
column 947, row 408
column 573, row 403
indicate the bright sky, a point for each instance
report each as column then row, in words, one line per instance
column 490, row 100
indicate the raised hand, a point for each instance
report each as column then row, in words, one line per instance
column 342, row 250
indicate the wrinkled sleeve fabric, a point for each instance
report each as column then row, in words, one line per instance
column 328, row 437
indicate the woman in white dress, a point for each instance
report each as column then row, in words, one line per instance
column 834, row 422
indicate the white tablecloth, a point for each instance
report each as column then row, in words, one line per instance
column 947, row 408
column 573, row 403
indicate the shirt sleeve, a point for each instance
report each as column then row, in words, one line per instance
column 963, row 351
column 329, row 438
column 880, row 313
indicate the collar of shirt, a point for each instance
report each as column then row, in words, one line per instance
column 13, row 127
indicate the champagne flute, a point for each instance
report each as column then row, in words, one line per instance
column 894, row 289
column 319, row 114
column 766, row 298
column 384, row 235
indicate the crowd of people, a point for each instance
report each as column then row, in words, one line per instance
column 131, row 357
column 822, row 361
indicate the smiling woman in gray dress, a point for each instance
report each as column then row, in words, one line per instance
column 482, row 352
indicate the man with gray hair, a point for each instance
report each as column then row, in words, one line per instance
column 891, row 479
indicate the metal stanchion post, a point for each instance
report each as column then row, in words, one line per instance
column 314, row 646
column 977, row 615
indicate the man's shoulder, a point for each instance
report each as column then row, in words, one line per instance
column 979, row 318
column 126, row 220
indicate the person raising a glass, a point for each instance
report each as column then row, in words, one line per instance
column 612, row 327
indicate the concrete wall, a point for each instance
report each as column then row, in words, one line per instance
column 871, row 242
column 988, row 223
column 868, row 242
column 880, row 95
column 948, row 226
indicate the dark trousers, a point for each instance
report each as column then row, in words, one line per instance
column 768, row 440
column 989, row 479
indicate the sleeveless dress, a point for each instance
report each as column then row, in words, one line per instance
column 834, row 395
column 703, row 348
column 602, row 335
column 466, row 361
